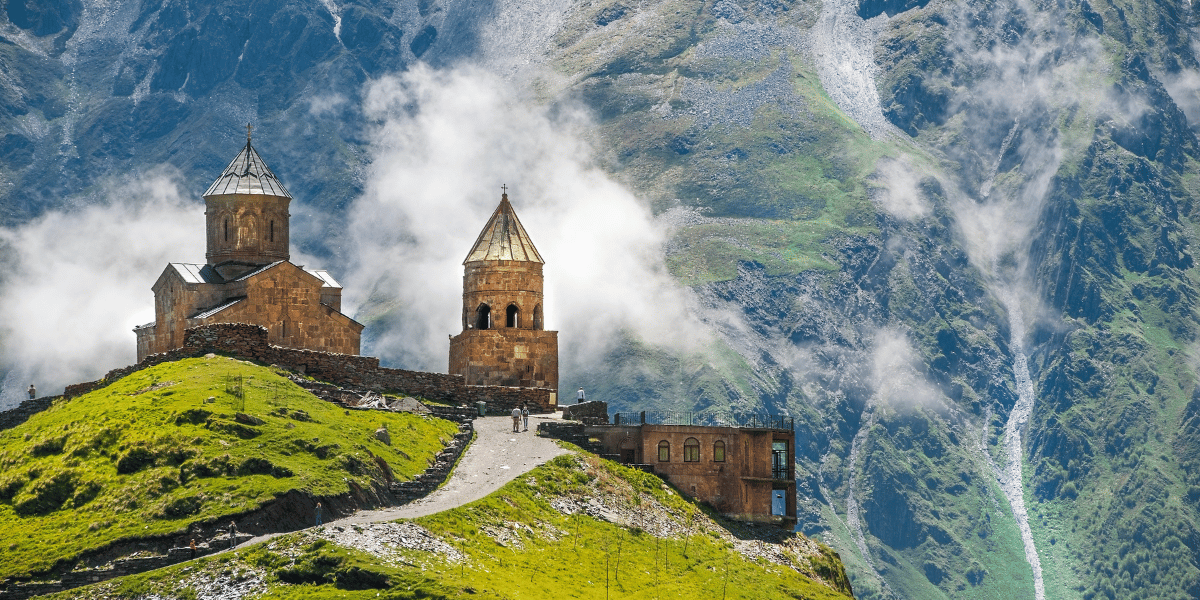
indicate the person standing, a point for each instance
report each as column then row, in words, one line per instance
column 32, row 392
column 318, row 514
column 232, row 534
column 193, row 547
column 580, row 397
column 516, row 417
column 525, row 415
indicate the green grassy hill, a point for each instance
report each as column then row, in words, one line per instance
column 577, row 527
column 148, row 455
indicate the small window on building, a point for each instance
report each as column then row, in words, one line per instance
column 511, row 316
column 718, row 451
column 691, row 450
column 779, row 460
column 227, row 230
column 271, row 234
column 664, row 451
column 483, row 317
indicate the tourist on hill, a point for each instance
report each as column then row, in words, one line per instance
column 516, row 415
column 32, row 392
column 318, row 514
column 525, row 415
column 193, row 547
column 232, row 534
column 580, row 397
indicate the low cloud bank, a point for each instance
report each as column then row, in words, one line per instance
column 445, row 142
column 75, row 283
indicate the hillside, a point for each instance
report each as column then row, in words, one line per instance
column 576, row 527
column 148, row 457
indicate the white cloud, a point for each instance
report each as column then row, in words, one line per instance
column 76, row 283
column 445, row 142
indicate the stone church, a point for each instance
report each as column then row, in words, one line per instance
column 503, row 341
column 248, row 277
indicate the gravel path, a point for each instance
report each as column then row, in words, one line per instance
column 494, row 458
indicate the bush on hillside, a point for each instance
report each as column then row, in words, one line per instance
column 135, row 460
column 47, row 494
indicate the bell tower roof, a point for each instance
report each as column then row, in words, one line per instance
column 503, row 238
column 248, row 174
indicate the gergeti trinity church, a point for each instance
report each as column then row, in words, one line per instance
column 248, row 278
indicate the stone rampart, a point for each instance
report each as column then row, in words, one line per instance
column 249, row 342
column 15, row 416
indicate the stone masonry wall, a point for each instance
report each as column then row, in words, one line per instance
column 13, row 417
column 249, row 342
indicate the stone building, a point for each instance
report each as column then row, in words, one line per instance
column 745, row 472
column 248, row 277
column 504, row 341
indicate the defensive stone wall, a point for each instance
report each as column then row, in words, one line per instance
column 13, row 417
column 249, row 342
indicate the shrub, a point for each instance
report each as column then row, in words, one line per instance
column 194, row 416
column 48, row 447
column 255, row 466
column 47, row 495
column 85, row 492
column 10, row 486
column 181, row 507
column 135, row 460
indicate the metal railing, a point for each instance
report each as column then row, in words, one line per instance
column 705, row 419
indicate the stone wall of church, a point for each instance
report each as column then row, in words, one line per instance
column 251, row 228
column 499, row 284
column 249, row 342
column 506, row 357
column 287, row 301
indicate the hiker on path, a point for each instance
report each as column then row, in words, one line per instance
column 232, row 534
column 580, row 397
column 516, row 415
column 32, row 392
column 193, row 547
column 525, row 415
column 318, row 514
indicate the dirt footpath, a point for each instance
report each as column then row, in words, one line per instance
column 494, row 458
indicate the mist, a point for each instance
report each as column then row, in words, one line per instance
column 76, row 283
column 444, row 143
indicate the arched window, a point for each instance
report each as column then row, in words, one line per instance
column 272, row 232
column 512, row 316
column 664, row 451
column 537, row 317
column 691, row 450
column 483, row 317
column 227, row 230
column 718, row 451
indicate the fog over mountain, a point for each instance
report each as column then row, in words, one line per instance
column 952, row 239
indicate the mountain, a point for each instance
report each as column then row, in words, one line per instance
column 953, row 239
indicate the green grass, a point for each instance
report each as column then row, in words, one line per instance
column 147, row 455
column 513, row 544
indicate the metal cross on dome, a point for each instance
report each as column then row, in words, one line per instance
column 504, row 188
column 248, row 128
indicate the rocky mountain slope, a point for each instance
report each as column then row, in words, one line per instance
column 953, row 239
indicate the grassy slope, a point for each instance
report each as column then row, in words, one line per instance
column 62, row 491
column 516, row 545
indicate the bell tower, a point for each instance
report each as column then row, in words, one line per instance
column 246, row 212
column 504, row 341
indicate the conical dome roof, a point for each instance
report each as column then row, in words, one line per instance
column 503, row 238
column 248, row 174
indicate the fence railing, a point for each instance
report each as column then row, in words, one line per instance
column 705, row 419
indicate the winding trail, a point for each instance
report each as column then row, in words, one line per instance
column 494, row 458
